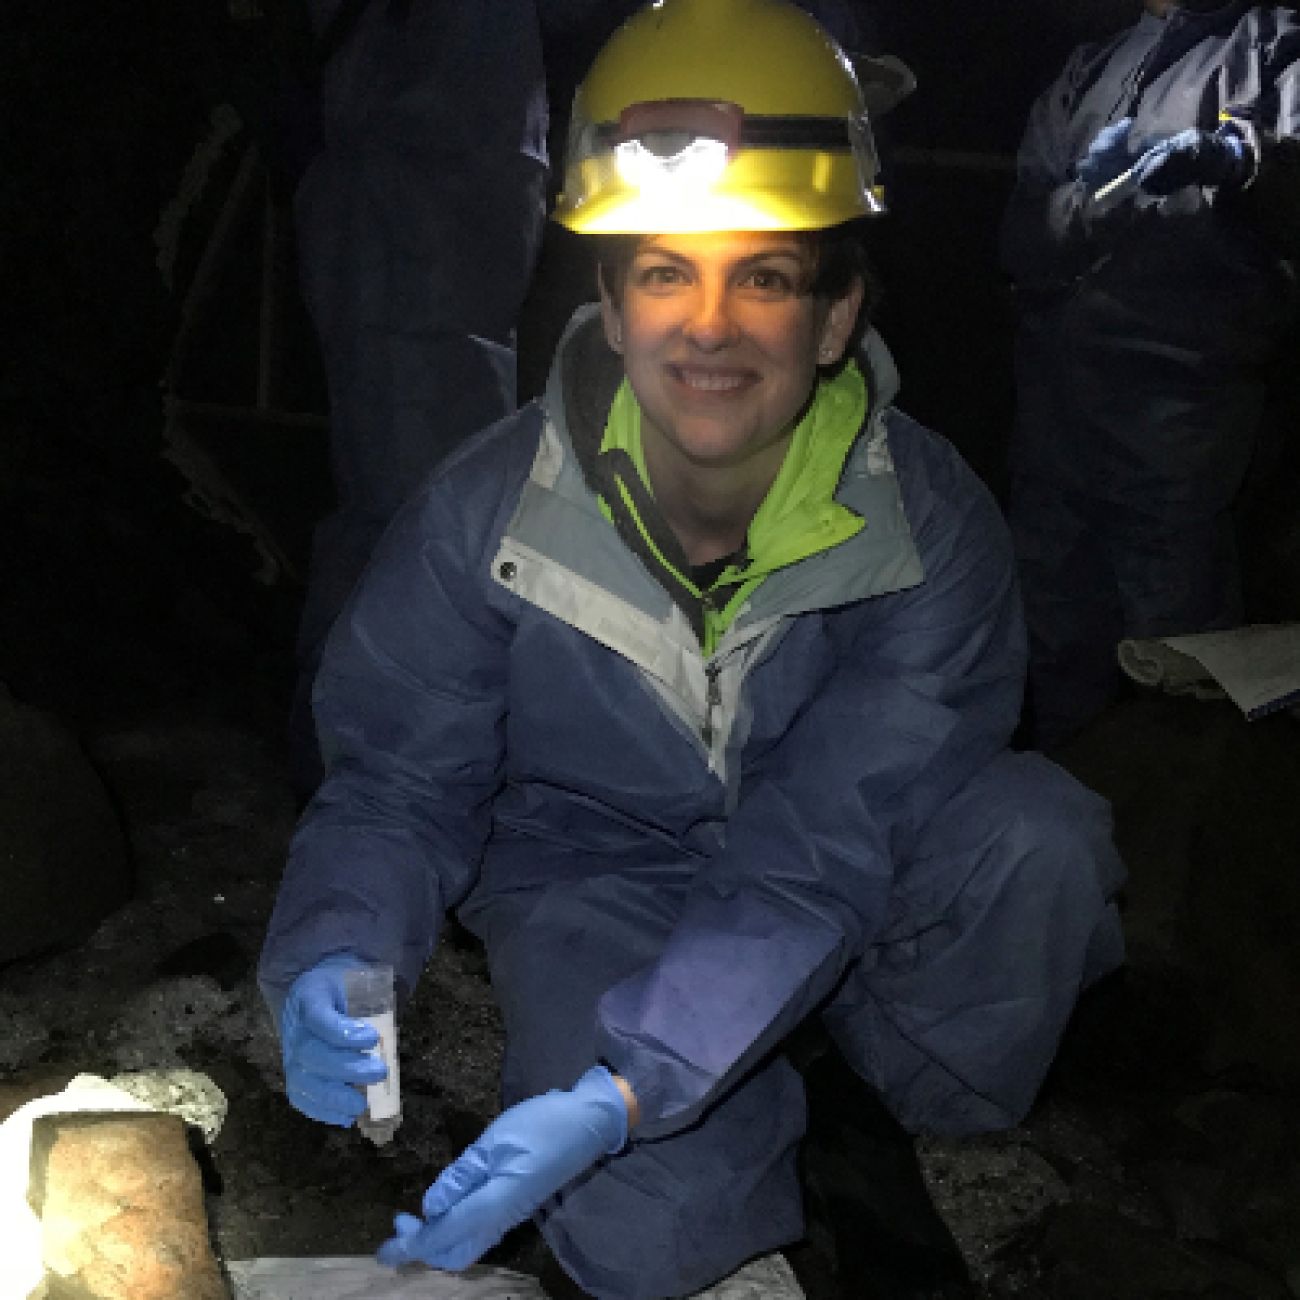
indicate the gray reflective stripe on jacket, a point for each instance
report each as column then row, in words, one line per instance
column 557, row 554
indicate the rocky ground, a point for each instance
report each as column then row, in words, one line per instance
column 1162, row 1160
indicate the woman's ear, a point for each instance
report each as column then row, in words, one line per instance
column 610, row 316
column 841, row 318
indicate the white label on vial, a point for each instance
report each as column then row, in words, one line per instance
column 384, row 1098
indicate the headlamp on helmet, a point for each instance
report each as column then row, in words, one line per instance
column 749, row 117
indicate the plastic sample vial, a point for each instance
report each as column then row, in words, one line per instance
column 370, row 997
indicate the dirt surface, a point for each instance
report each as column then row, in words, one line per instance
column 1147, row 1170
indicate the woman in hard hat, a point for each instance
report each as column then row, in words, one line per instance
column 690, row 687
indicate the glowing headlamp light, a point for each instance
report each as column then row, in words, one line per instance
column 692, row 166
column 692, row 169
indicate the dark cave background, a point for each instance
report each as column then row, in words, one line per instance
column 162, row 461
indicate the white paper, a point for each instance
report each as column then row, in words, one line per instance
column 1259, row 665
column 383, row 1099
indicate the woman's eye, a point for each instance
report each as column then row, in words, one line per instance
column 767, row 280
column 659, row 275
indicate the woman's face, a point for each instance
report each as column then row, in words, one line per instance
column 721, row 340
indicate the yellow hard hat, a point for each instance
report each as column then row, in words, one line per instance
column 702, row 115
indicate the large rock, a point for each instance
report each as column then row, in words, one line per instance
column 63, row 857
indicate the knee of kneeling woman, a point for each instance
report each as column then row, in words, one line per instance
column 1039, row 883
column 1060, row 828
column 1066, row 875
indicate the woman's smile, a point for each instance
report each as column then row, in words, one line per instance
column 712, row 381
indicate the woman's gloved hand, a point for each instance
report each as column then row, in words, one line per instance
column 1220, row 158
column 522, row 1159
column 325, row 1052
column 1109, row 154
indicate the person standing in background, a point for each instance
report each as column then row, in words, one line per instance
column 418, row 223
column 1149, row 238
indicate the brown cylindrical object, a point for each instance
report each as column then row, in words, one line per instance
column 120, row 1199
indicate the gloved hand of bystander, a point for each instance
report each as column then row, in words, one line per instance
column 1222, row 158
column 1109, row 154
column 325, row 1052
column 522, row 1159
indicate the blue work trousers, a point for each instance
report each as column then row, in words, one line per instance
column 1001, row 915
column 1128, row 457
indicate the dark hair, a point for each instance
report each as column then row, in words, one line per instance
column 840, row 256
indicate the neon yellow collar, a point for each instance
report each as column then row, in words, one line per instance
column 799, row 517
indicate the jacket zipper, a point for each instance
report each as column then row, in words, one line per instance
column 712, row 699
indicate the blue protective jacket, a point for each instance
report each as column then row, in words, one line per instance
column 511, row 699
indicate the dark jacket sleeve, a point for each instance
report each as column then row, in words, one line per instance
column 1053, row 232
column 927, row 689
column 409, row 703
column 1271, row 202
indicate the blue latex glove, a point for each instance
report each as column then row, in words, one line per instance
column 1109, row 154
column 1222, row 158
column 522, row 1159
column 324, row 1051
